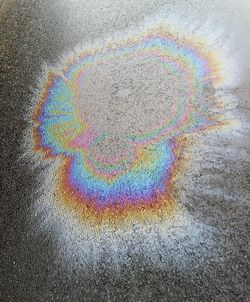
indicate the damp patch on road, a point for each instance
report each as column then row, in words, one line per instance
column 113, row 122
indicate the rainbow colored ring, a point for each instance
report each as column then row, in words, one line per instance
column 99, row 189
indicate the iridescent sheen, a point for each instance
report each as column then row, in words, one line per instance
column 143, row 175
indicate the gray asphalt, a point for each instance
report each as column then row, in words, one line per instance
column 33, row 32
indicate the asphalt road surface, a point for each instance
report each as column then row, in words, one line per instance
column 204, row 253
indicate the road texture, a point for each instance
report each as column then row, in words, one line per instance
column 212, row 262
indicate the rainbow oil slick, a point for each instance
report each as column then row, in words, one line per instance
column 137, row 178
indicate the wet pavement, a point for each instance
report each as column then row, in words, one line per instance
column 34, row 33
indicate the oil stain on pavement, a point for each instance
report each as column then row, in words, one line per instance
column 126, row 156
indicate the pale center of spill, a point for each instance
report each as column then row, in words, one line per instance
column 128, row 95
column 112, row 149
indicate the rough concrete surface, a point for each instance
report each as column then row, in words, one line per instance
column 206, row 256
